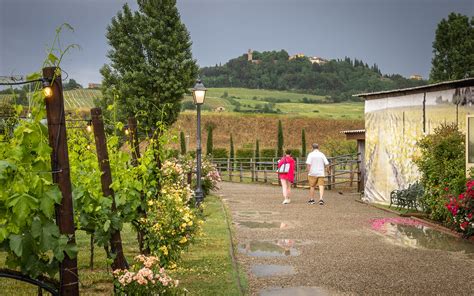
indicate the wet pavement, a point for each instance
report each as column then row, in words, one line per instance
column 341, row 248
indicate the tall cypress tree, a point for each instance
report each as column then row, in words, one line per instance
column 209, row 141
column 151, row 65
column 257, row 151
column 231, row 154
column 280, row 139
column 182, row 141
column 303, row 143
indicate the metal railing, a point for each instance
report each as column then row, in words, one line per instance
column 344, row 171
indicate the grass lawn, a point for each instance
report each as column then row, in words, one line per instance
column 206, row 269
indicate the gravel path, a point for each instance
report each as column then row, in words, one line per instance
column 337, row 251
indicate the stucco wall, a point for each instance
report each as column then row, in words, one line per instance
column 394, row 124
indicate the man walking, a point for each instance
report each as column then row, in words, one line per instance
column 316, row 164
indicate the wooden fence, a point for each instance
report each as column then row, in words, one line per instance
column 344, row 171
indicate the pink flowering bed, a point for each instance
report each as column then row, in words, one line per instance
column 145, row 277
column 461, row 209
column 378, row 224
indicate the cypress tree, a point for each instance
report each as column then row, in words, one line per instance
column 209, row 141
column 231, row 154
column 257, row 152
column 280, row 140
column 182, row 141
column 151, row 65
column 303, row 143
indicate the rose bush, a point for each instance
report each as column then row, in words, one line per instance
column 145, row 277
column 461, row 209
column 172, row 221
column 210, row 177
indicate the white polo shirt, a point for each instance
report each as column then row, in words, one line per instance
column 317, row 160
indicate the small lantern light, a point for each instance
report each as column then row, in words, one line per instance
column 199, row 93
column 89, row 126
column 127, row 131
column 47, row 90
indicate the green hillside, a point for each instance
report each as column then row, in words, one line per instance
column 82, row 98
column 242, row 100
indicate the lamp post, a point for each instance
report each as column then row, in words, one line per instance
column 199, row 93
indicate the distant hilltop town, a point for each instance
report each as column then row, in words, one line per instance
column 313, row 60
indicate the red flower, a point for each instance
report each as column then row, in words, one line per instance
column 461, row 196
column 464, row 225
column 446, row 188
column 469, row 216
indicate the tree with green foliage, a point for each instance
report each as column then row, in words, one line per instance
column 442, row 167
column 71, row 84
column 182, row 142
column 303, row 143
column 151, row 65
column 231, row 154
column 453, row 49
column 209, row 140
column 280, row 140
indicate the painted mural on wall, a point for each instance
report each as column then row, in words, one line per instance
column 394, row 125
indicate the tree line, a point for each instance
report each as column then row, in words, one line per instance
column 338, row 79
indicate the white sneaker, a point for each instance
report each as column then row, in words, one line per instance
column 286, row 201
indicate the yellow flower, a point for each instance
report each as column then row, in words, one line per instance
column 190, row 223
column 164, row 249
column 183, row 240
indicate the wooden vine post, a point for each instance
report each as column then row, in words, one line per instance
column 106, row 179
column 135, row 150
column 68, row 275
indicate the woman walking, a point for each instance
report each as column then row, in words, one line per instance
column 286, row 174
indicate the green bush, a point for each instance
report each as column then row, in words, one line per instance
column 336, row 147
column 220, row 153
column 244, row 154
column 267, row 153
column 172, row 153
column 295, row 152
column 442, row 167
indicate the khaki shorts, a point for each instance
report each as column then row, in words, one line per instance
column 315, row 181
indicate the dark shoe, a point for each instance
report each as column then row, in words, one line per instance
column 311, row 202
column 321, row 202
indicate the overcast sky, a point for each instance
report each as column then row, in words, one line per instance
column 395, row 34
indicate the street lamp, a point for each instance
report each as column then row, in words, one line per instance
column 199, row 93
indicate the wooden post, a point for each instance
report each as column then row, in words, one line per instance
column 241, row 173
column 133, row 139
column 265, row 178
column 106, row 179
column 333, row 172
column 252, row 169
column 135, row 151
column 256, row 168
column 351, row 174
column 231, row 168
column 329, row 177
column 91, row 262
column 68, row 275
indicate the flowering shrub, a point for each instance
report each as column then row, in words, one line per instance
column 461, row 209
column 210, row 177
column 172, row 222
column 442, row 166
column 145, row 277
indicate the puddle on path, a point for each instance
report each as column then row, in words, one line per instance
column 257, row 224
column 276, row 248
column 264, row 270
column 295, row 291
column 415, row 234
column 254, row 214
